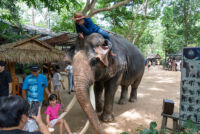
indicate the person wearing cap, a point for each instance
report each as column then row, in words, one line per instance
column 34, row 85
column 85, row 26
column 5, row 81
column 33, row 90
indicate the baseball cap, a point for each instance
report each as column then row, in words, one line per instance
column 2, row 63
column 35, row 68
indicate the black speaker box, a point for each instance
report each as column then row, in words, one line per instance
column 168, row 106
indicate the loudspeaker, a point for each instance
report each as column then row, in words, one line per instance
column 168, row 106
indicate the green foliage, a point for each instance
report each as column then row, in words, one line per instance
column 65, row 22
column 151, row 130
column 10, row 34
column 179, row 18
column 9, row 11
column 124, row 133
column 130, row 22
column 52, row 5
column 190, row 128
column 181, row 21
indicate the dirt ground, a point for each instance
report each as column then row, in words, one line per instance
column 156, row 85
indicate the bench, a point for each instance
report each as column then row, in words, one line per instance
column 174, row 117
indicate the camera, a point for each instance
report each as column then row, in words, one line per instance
column 34, row 107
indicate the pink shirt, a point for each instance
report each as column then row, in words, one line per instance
column 53, row 111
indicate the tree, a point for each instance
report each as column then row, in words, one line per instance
column 52, row 5
column 9, row 10
column 93, row 7
column 182, row 25
column 132, row 20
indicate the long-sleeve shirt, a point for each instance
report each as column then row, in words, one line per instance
column 87, row 28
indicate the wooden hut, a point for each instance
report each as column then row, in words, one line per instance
column 154, row 58
column 28, row 51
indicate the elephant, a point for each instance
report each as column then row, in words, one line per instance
column 93, row 64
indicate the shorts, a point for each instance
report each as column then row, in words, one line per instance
column 57, row 87
column 53, row 122
column 31, row 126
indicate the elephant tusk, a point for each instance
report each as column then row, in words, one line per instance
column 69, row 107
column 85, row 128
column 92, row 100
column 92, row 97
column 71, row 104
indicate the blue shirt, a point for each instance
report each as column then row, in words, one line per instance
column 87, row 28
column 34, row 87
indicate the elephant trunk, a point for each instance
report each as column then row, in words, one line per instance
column 83, row 78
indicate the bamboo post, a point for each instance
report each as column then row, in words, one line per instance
column 11, row 68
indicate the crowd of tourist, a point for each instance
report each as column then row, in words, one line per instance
column 22, row 114
column 174, row 65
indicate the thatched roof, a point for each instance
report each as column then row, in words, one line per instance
column 30, row 50
column 61, row 39
column 154, row 56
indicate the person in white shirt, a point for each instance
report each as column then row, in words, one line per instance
column 69, row 70
column 57, row 82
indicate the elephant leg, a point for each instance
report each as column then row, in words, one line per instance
column 98, row 90
column 134, row 87
column 124, row 95
column 110, row 90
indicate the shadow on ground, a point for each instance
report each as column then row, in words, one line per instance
column 156, row 85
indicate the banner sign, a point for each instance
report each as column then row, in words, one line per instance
column 190, row 86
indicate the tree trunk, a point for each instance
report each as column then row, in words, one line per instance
column 33, row 16
column 142, row 25
column 90, row 7
column 186, row 23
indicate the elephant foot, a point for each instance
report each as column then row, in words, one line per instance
column 122, row 101
column 107, row 118
column 132, row 100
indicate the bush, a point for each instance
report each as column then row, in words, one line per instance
column 151, row 130
column 189, row 128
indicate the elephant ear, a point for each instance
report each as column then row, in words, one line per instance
column 102, row 54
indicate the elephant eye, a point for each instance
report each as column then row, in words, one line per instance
column 105, row 43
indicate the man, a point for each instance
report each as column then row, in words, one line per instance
column 13, row 116
column 34, row 86
column 69, row 70
column 5, row 81
column 33, row 90
column 85, row 26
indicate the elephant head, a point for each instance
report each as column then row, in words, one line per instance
column 93, row 58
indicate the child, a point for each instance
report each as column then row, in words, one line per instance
column 52, row 115
column 57, row 82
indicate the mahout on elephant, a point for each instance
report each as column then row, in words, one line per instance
column 93, row 65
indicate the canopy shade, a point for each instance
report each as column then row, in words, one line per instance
column 30, row 50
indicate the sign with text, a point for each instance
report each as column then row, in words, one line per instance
column 190, row 86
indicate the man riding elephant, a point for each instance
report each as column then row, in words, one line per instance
column 85, row 27
column 94, row 65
